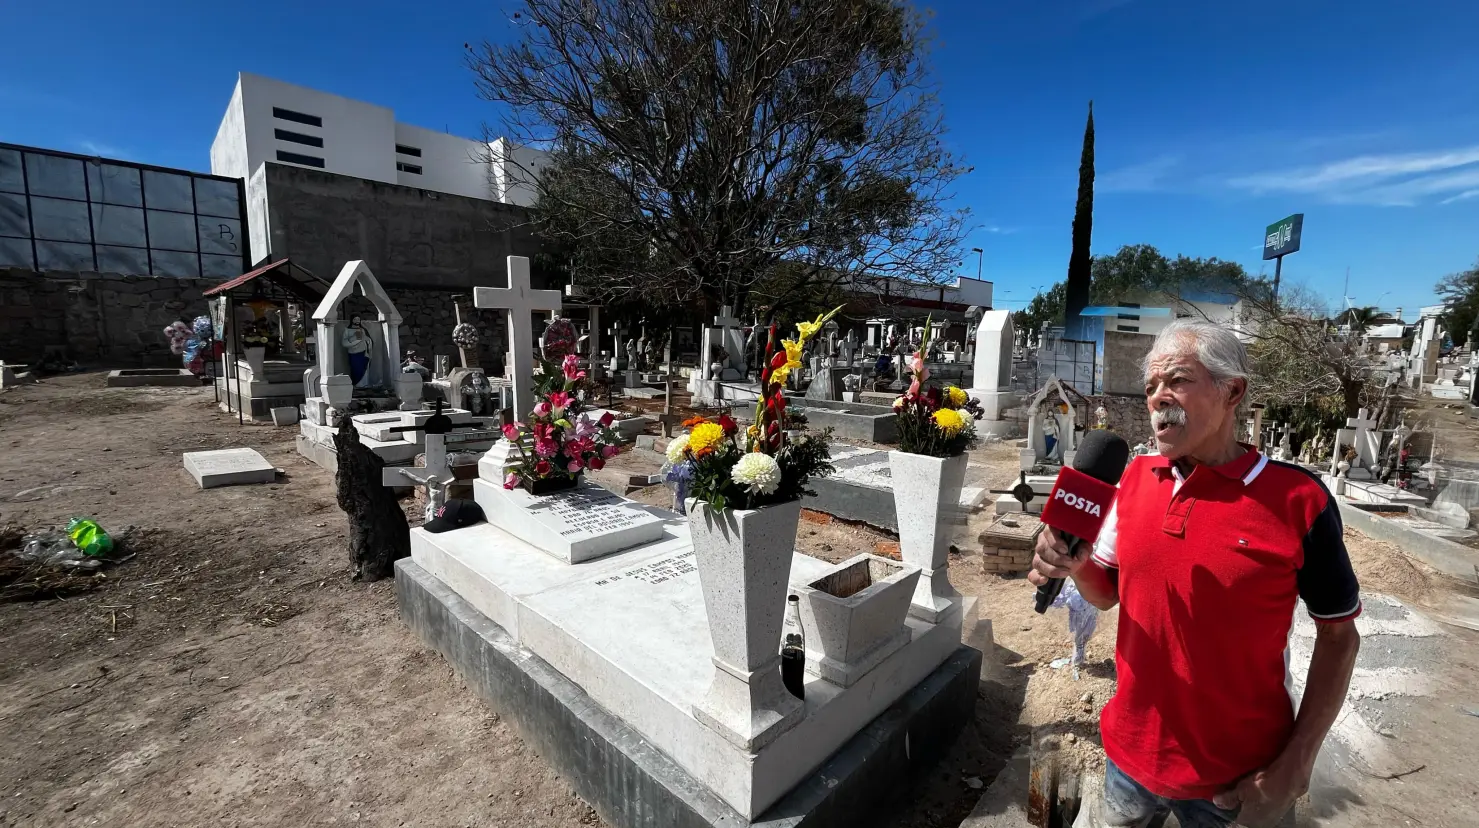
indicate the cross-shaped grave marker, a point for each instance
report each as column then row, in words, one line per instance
column 437, row 473
column 724, row 322
column 1365, row 439
column 518, row 300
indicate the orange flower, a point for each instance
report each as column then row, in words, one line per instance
column 693, row 421
column 704, row 452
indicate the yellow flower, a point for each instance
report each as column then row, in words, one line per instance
column 779, row 375
column 956, row 396
column 705, row 436
column 806, row 330
column 949, row 421
column 793, row 352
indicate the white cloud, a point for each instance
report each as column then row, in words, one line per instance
column 95, row 148
column 1399, row 179
column 1005, row 231
column 1467, row 194
column 1145, row 177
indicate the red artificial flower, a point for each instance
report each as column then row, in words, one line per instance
column 596, row 463
column 542, row 468
column 727, row 423
column 607, row 419
column 778, row 360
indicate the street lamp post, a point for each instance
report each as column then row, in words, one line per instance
column 980, row 256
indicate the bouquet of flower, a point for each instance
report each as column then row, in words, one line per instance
column 727, row 467
column 939, row 422
column 565, row 442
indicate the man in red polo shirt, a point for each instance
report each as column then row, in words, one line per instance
column 1206, row 550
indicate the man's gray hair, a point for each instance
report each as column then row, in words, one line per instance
column 1217, row 348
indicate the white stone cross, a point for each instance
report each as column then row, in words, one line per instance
column 519, row 301
column 1364, row 440
column 436, row 466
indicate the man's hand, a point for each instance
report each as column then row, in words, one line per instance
column 1266, row 795
column 1052, row 559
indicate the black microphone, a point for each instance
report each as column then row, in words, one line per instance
column 1081, row 497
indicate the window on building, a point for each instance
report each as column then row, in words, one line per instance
column 1129, row 328
column 296, row 117
column 407, row 168
column 405, row 150
column 1133, row 317
column 295, row 158
column 298, row 138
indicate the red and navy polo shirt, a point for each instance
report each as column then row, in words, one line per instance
column 1209, row 568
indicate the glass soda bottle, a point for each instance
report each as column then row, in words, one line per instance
column 793, row 650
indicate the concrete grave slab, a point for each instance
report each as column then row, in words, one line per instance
column 228, row 467
column 629, row 780
column 285, row 415
column 159, row 377
column 629, row 629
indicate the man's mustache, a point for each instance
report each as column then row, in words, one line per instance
column 1170, row 415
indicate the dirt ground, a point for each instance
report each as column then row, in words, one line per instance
column 231, row 674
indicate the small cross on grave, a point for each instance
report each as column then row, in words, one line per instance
column 1363, row 440
column 437, row 473
column 518, row 300
column 724, row 323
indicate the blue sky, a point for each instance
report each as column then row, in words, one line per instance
column 1213, row 119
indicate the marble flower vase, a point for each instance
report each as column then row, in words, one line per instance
column 927, row 500
column 744, row 567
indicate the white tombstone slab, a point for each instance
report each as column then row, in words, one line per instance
column 228, row 467
column 992, row 382
column 519, row 300
column 574, row 525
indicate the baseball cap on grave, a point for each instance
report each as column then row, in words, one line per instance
column 456, row 514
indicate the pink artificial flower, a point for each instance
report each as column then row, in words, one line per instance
column 571, row 367
column 558, row 400
column 546, row 448
column 607, row 419
column 610, row 451
column 511, row 432
column 542, row 468
column 542, row 409
column 914, row 388
column 574, row 466
column 511, row 482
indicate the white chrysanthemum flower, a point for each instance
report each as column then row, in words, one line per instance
column 759, row 473
column 676, row 447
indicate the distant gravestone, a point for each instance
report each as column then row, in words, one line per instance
column 228, row 467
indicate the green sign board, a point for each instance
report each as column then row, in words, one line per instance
column 1282, row 237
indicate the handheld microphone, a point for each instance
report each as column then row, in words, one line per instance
column 1081, row 497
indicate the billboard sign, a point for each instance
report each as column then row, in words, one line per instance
column 1282, row 237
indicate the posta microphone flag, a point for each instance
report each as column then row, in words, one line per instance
column 1081, row 497
column 1077, row 505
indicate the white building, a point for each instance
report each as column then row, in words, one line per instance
column 268, row 120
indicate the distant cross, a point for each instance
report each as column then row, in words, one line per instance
column 725, row 321
column 519, row 301
column 1361, row 422
column 469, row 356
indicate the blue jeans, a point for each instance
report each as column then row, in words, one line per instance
column 1127, row 804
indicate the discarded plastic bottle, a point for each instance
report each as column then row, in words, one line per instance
column 793, row 650
column 89, row 537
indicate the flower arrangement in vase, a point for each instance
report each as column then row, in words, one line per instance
column 936, row 426
column 937, row 422
column 563, row 441
column 769, row 462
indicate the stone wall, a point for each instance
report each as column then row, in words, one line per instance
column 1123, row 355
column 107, row 319
column 411, row 238
column 94, row 318
column 1128, row 416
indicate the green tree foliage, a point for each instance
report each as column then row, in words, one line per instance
column 1138, row 269
column 1460, row 291
column 697, row 145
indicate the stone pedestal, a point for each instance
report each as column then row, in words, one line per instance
column 926, row 498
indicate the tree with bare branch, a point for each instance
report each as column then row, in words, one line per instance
column 697, row 146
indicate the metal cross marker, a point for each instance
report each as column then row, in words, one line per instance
column 519, row 300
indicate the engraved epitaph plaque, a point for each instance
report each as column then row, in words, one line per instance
column 574, row 525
